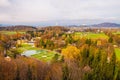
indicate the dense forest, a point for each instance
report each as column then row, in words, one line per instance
column 81, row 55
column 17, row 28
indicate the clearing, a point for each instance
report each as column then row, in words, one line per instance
column 11, row 32
column 91, row 35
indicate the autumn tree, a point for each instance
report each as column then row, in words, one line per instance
column 70, row 52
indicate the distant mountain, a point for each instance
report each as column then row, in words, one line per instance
column 70, row 23
column 5, row 25
column 18, row 28
column 106, row 24
column 1, row 25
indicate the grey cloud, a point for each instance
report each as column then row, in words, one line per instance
column 18, row 11
column 4, row 3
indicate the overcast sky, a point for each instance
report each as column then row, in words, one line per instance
column 38, row 11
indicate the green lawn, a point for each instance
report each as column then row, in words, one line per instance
column 10, row 32
column 117, row 32
column 97, row 35
column 44, row 56
column 78, row 33
column 92, row 35
column 25, row 47
column 117, row 51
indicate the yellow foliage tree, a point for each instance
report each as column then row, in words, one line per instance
column 70, row 52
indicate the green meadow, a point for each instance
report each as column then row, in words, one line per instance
column 118, row 32
column 117, row 51
column 25, row 47
column 11, row 32
column 91, row 35
column 42, row 54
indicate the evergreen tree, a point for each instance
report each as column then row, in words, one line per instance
column 65, row 72
column 110, row 40
column 29, row 73
column 55, row 58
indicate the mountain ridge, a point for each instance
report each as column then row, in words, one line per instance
column 106, row 24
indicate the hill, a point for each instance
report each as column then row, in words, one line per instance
column 106, row 24
column 18, row 28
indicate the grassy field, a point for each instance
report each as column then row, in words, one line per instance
column 43, row 55
column 25, row 47
column 10, row 32
column 117, row 51
column 91, row 35
column 118, row 32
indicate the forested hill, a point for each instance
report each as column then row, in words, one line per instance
column 106, row 24
column 18, row 28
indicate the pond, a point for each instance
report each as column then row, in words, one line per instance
column 32, row 52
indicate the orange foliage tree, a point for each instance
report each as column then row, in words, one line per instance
column 70, row 52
